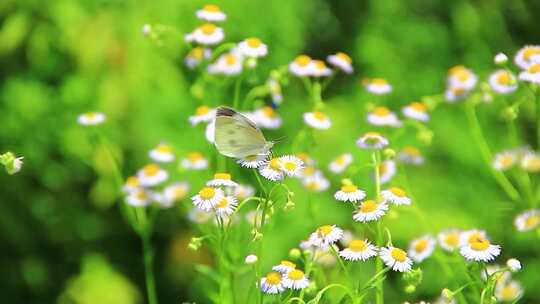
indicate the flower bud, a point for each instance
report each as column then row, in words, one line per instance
column 447, row 294
column 500, row 59
column 256, row 235
column 251, row 259
column 289, row 206
column 295, row 254
column 389, row 153
column 514, row 265
column 11, row 163
column 410, row 288
column 195, row 243
column 509, row 113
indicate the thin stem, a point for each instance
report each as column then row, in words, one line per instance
column 237, row 86
column 376, row 157
column 538, row 117
column 148, row 268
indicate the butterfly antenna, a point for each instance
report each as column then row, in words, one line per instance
column 280, row 139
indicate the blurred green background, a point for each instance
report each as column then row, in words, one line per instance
column 62, row 238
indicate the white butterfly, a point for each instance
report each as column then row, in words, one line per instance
column 237, row 136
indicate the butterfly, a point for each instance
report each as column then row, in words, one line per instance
column 237, row 136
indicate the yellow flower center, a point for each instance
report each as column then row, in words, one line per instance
column 230, row 59
column 381, row 111
column 418, row 106
column 508, row 292
column 534, row 68
column 179, row 192
column 320, row 116
column 398, row 191
column 222, row 175
column 507, row 160
column 325, row 230
column 303, row 156
column 379, row 81
column 295, row 275
column 398, row 255
column 452, row 239
column 474, row 236
column 132, row 181
column 302, row 60
column 349, row 188
column 195, row 156
column 372, row 134
column 273, row 278
column 208, row 28
column 253, row 42
column 421, row 245
column 222, row 203
column 141, row 195
column 207, row 193
column 463, row 76
column 480, row 244
column 411, row 150
column 275, row 164
column 368, row 206
column 319, row 64
column 91, row 115
column 456, row 70
column 340, row 160
column 504, row 78
column 382, row 169
column 202, row 110
column 288, row 264
column 532, row 221
column 151, row 170
column 268, row 112
column 197, row 53
column 344, row 57
column 529, row 52
column 458, row 91
column 211, row 8
column 312, row 185
column 290, row 166
column 164, row 149
column 309, row 170
column 357, row 245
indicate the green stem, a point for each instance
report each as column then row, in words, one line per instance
column 376, row 157
column 148, row 268
column 236, row 98
column 538, row 117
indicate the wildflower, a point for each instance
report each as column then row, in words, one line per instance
column 272, row 170
column 162, row 153
column 284, row 266
column 244, row 191
column 195, row 161
column 272, row 283
column 514, row 265
column 146, row 29
column 372, row 140
column 325, row 236
column 480, row 249
column 349, row 193
column 173, row 193
column 387, row 170
column 358, row 250
column 301, row 66
column 291, row 165
column 11, row 163
column 202, row 114
column 341, row 61
column 211, row 13
column 151, row 175
column 253, row 161
column 340, row 163
column 206, row 34
column 267, row 118
column 450, row 239
column 532, row 73
column 469, row 236
column 199, row 216
column 530, row 162
column 527, row 220
column 315, row 182
column 132, row 183
column 377, row 86
column 508, row 291
column 396, row 195
column 222, row 179
column 370, row 210
column 382, row 116
column 421, row 248
column 395, row 258
column 295, row 279
column 504, row 160
column 138, row 198
column 226, row 206
column 253, row 47
column 275, row 90
column 453, row 94
column 91, row 118
column 503, row 82
column 526, row 56
column 227, row 64
column 251, row 259
column 207, row 198
column 410, row 155
column 317, row 120
column 461, row 77
column 416, row 110
column 320, row 69
column 196, row 56
column 500, row 59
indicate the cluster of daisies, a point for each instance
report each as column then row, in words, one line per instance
column 527, row 159
column 283, row 276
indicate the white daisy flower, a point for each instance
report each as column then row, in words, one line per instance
column 531, row 74
column 253, row 47
column 382, row 116
column 272, row 170
column 387, row 170
column 209, row 131
column 508, row 291
column 267, row 118
column 91, row 118
column 396, row 195
column 195, row 161
column 202, row 114
column 416, row 110
column 199, row 216
column 151, row 175
column 349, row 193
column 395, row 258
column 138, row 198
column 320, row 69
column 325, row 236
column 469, row 236
column 317, row 120
column 162, row 153
column 410, row 155
column 284, row 266
column 173, row 193
column 291, row 165
column 370, row 210
column 504, row 160
column 530, row 162
column 207, row 198
column 341, row 61
column 253, row 161
column 372, row 140
column 480, row 249
column 461, row 77
column 315, row 182
column 450, row 239
column 453, row 94
column 295, row 279
column 421, row 248
column 272, row 283
column 524, row 57
column 301, row 66
column 132, row 184
column 211, row 13
column 503, row 82
column 306, row 158
column 196, row 55
column 244, row 191
column 378, row 86
column 227, row 64
column 358, row 250
column 226, row 206
column 340, row 163
column 206, row 34
column 513, row 264
column 222, row 179
column 528, row 220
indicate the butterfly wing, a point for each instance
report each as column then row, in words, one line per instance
column 237, row 136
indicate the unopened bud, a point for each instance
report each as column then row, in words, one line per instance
column 195, row 243
column 289, row 206
column 447, row 294
column 500, row 59
column 410, row 288
column 510, row 113
column 389, row 153
column 514, row 265
column 295, row 254
column 251, row 259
